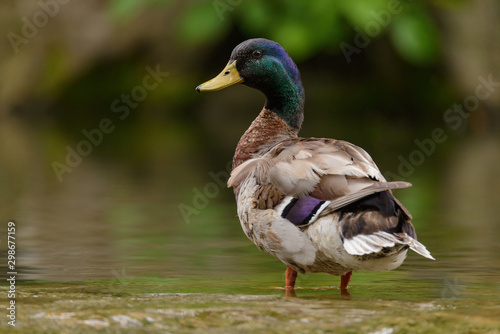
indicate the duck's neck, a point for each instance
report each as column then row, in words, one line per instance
column 285, row 97
column 283, row 112
column 268, row 128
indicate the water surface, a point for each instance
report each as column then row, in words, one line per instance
column 109, row 250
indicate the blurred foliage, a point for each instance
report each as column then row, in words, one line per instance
column 415, row 36
column 304, row 28
column 124, row 9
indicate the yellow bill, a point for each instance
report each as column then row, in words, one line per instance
column 228, row 77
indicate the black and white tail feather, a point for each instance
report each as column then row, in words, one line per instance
column 368, row 244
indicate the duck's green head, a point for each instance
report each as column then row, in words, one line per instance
column 264, row 65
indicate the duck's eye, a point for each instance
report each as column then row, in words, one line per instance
column 257, row 54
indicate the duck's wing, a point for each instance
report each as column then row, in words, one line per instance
column 325, row 169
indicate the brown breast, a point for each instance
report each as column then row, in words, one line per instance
column 265, row 131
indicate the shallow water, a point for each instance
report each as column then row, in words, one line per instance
column 109, row 250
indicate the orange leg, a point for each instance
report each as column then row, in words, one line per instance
column 290, row 277
column 344, row 280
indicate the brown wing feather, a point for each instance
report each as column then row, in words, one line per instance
column 327, row 169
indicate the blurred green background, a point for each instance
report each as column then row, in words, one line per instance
column 146, row 195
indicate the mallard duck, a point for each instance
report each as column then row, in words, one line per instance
column 315, row 204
